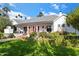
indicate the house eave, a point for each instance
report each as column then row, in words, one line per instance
column 36, row 23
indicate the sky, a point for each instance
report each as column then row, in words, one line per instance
column 33, row 9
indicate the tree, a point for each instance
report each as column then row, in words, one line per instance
column 40, row 14
column 19, row 15
column 6, row 10
column 73, row 18
column 4, row 21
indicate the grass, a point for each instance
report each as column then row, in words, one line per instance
column 35, row 48
column 57, row 46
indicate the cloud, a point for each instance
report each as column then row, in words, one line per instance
column 49, row 13
column 7, row 4
column 28, row 17
column 59, row 6
column 12, row 14
column 52, row 13
column 55, row 6
column 11, row 4
column 41, row 9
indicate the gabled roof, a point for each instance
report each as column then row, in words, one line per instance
column 49, row 18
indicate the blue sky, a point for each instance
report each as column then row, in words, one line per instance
column 32, row 9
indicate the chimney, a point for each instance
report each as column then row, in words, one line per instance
column 60, row 13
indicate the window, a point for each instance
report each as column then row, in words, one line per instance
column 63, row 25
column 49, row 29
column 25, row 29
column 58, row 25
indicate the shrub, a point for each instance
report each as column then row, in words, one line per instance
column 67, row 43
column 4, row 21
column 33, row 34
column 55, row 33
column 63, row 33
column 1, row 35
column 57, row 38
column 43, row 48
column 72, row 34
column 74, row 42
column 11, row 35
column 21, row 48
column 43, row 34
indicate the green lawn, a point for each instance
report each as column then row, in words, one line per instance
column 45, row 45
column 35, row 48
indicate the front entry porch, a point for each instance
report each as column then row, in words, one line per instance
column 34, row 27
column 30, row 29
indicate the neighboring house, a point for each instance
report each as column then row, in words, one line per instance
column 50, row 23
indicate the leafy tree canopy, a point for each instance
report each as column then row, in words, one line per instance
column 40, row 14
column 6, row 10
column 4, row 21
column 73, row 18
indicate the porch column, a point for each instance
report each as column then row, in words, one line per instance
column 27, row 29
column 36, row 28
column 45, row 28
column 40, row 29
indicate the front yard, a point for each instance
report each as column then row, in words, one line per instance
column 51, row 44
